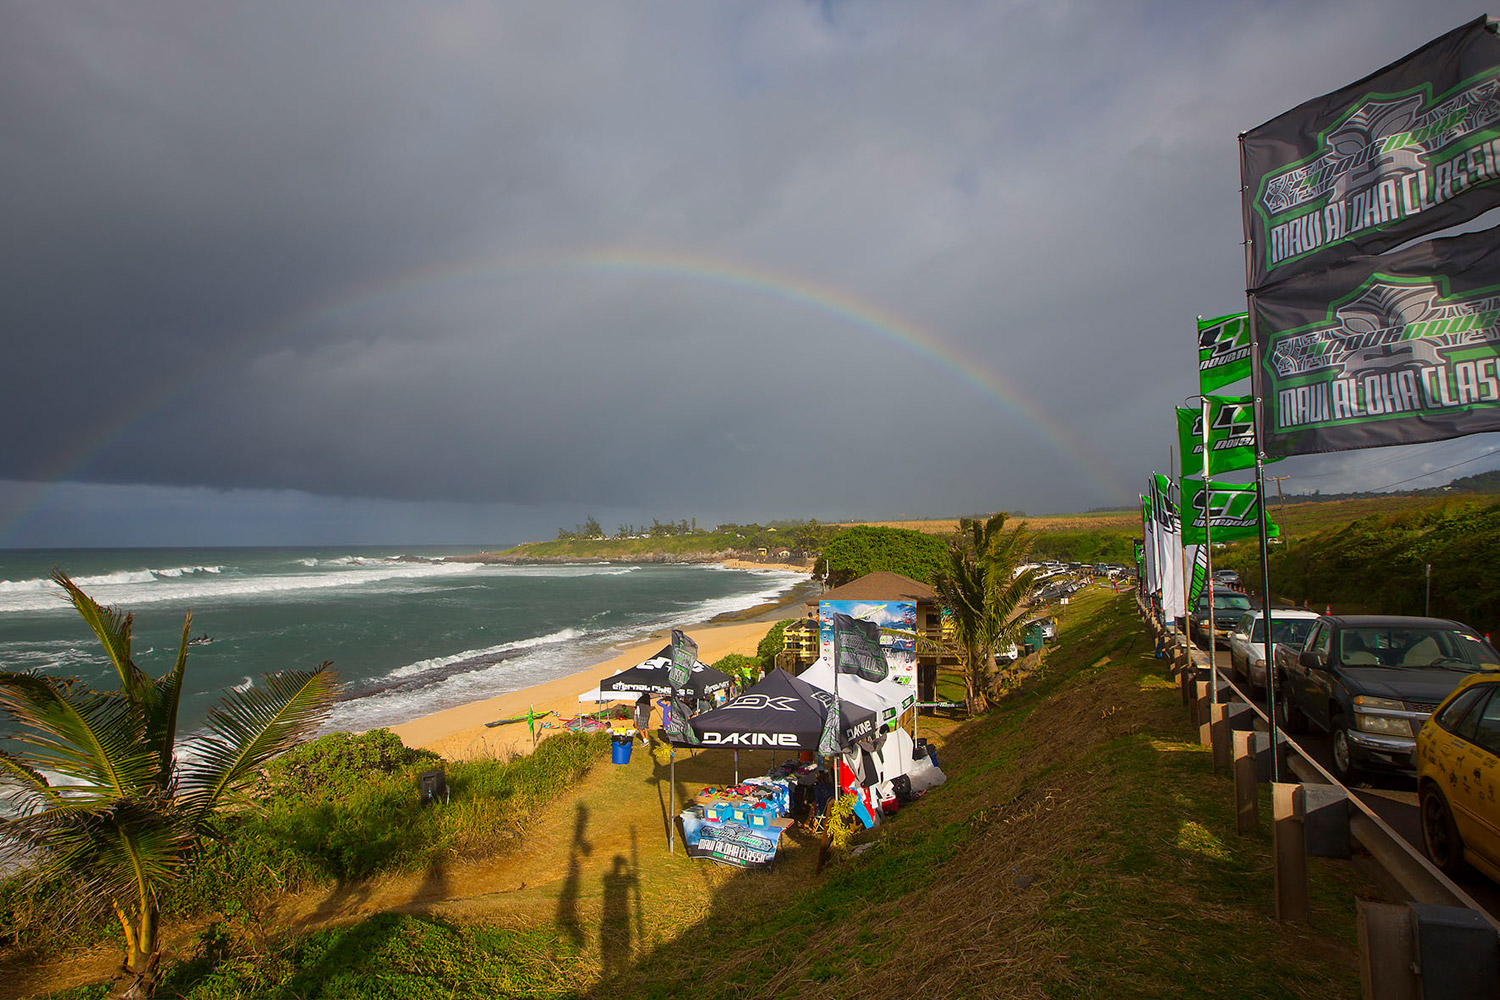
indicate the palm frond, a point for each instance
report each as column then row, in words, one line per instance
column 113, row 630
column 129, row 850
column 91, row 737
column 161, row 721
column 249, row 728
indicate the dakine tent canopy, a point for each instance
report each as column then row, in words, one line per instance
column 890, row 698
column 781, row 711
column 650, row 677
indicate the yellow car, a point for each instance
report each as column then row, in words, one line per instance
column 1458, row 778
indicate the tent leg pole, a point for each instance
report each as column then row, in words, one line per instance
column 736, row 766
column 672, row 806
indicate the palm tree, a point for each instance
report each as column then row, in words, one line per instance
column 130, row 803
column 981, row 589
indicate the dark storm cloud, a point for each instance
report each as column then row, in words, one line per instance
column 342, row 250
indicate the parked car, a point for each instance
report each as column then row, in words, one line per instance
column 1009, row 654
column 1458, row 771
column 1227, row 577
column 1247, row 643
column 1228, row 607
column 1371, row 681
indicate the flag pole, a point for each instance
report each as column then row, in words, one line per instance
column 1258, row 404
column 1208, row 565
column 1187, row 574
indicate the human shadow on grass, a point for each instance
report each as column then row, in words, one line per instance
column 567, row 901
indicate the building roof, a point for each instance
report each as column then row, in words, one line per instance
column 879, row 586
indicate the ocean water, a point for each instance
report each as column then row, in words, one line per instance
column 409, row 631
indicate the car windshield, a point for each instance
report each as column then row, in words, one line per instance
column 1406, row 646
column 1230, row 602
column 1293, row 632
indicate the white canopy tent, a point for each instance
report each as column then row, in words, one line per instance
column 889, row 699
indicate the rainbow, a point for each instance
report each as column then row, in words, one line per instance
column 353, row 301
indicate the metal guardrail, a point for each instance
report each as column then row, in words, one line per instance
column 1407, row 867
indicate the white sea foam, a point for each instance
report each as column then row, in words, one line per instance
column 548, row 658
column 136, row 588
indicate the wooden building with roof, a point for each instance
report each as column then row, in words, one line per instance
column 800, row 640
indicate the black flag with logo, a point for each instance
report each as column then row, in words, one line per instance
column 1395, row 349
column 1411, row 149
column 856, row 648
column 684, row 658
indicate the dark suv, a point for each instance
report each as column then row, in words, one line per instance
column 1371, row 681
column 1229, row 607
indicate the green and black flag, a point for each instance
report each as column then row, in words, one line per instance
column 1223, row 351
column 856, row 648
column 1231, row 435
column 1233, row 510
column 828, row 743
column 684, row 658
column 679, row 726
column 1396, row 349
column 1411, row 149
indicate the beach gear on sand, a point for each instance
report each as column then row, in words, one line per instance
column 519, row 718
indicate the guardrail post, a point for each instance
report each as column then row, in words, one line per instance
column 1185, row 682
column 1386, row 951
column 1200, row 712
column 1458, row 953
column 1326, row 820
column 1289, row 851
column 1218, row 735
column 1246, row 788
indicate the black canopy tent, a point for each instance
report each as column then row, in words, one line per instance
column 650, row 677
column 781, row 712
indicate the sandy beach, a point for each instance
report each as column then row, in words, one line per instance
column 460, row 733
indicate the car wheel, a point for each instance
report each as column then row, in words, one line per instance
column 1343, row 754
column 1440, row 834
column 1234, row 668
column 1289, row 715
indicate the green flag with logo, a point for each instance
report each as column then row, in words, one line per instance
column 1200, row 575
column 1223, row 350
column 1231, row 435
column 1233, row 509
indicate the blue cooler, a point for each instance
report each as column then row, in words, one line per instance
column 619, row 751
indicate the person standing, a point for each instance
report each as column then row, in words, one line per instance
column 643, row 717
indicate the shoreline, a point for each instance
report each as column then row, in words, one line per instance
column 460, row 733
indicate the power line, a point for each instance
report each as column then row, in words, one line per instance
column 1430, row 472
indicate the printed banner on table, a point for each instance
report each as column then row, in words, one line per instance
column 731, row 843
column 1231, row 435
column 1223, row 351
column 1411, row 149
column 684, row 658
column 1233, row 510
column 896, row 626
column 1395, row 349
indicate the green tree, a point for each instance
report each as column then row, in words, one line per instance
column 132, row 810
column 981, row 589
column 868, row 548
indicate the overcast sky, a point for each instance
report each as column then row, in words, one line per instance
column 468, row 271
